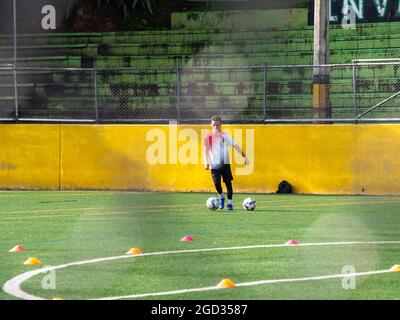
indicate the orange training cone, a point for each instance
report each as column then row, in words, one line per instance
column 32, row 261
column 395, row 268
column 134, row 251
column 226, row 283
column 187, row 238
column 18, row 248
column 292, row 243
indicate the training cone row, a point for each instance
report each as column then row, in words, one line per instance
column 135, row 251
column 29, row 262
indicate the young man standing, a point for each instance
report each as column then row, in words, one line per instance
column 217, row 159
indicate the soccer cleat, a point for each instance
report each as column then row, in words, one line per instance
column 221, row 203
column 230, row 206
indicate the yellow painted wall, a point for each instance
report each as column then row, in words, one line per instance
column 323, row 159
column 29, row 156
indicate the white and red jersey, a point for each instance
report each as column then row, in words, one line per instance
column 216, row 149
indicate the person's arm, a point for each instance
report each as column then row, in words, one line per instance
column 206, row 155
column 238, row 149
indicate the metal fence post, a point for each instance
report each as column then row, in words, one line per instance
column 15, row 59
column 355, row 92
column 265, row 93
column 178, row 90
column 96, row 100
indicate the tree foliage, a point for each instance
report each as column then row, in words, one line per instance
column 128, row 5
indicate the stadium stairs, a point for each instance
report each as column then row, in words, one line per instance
column 49, row 93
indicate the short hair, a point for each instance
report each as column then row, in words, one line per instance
column 216, row 118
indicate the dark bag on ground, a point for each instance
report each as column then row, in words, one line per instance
column 284, row 187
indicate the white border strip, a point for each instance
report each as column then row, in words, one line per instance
column 13, row 286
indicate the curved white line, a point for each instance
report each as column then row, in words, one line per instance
column 248, row 284
column 13, row 286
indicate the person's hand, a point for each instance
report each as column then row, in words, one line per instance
column 207, row 166
column 246, row 161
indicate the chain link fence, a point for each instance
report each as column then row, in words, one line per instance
column 56, row 94
column 357, row 92
column 7, row 95
column 7, row 75
column 136, row 95
column 237, row 94
column 377, row 91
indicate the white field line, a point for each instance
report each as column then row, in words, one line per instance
column 13, row 286
column 248, row 284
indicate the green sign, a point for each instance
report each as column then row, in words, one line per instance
column 359, row 11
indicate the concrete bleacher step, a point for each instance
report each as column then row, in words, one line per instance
column 206, row 59
column 203, row 47
column 338, row 56
column 201, row 81
column 196, row 101
column 281, row 44
column 273, row 88
column 192, row 48
column 53, row 38
column 171, row 60
column 243, row 88
column 174, row 36
column 31, row 76
column 149, row 37
column 165, row 61
column 45, row 50
column 212, row 60
column 198, row 74
column 46, row 62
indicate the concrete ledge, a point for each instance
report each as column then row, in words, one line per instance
column 240, row 20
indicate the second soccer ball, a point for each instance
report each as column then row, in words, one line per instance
column 249, row 204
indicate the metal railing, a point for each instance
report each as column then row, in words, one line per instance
column 358, row 92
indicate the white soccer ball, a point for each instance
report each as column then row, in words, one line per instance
column 249, row 204
column 212, row 203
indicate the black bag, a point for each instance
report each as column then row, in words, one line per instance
column 284, row 187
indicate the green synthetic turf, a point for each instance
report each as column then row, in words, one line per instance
column 64, row 227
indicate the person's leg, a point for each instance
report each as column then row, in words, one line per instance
column 227, row 177
column 229, row 189
column 216, row 176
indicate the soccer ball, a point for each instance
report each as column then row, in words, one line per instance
column 212, row 203
column 249, row 204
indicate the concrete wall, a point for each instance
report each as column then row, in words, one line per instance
column 323, row 159
column 30, row 156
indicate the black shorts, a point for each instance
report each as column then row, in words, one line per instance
column 224, row 172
